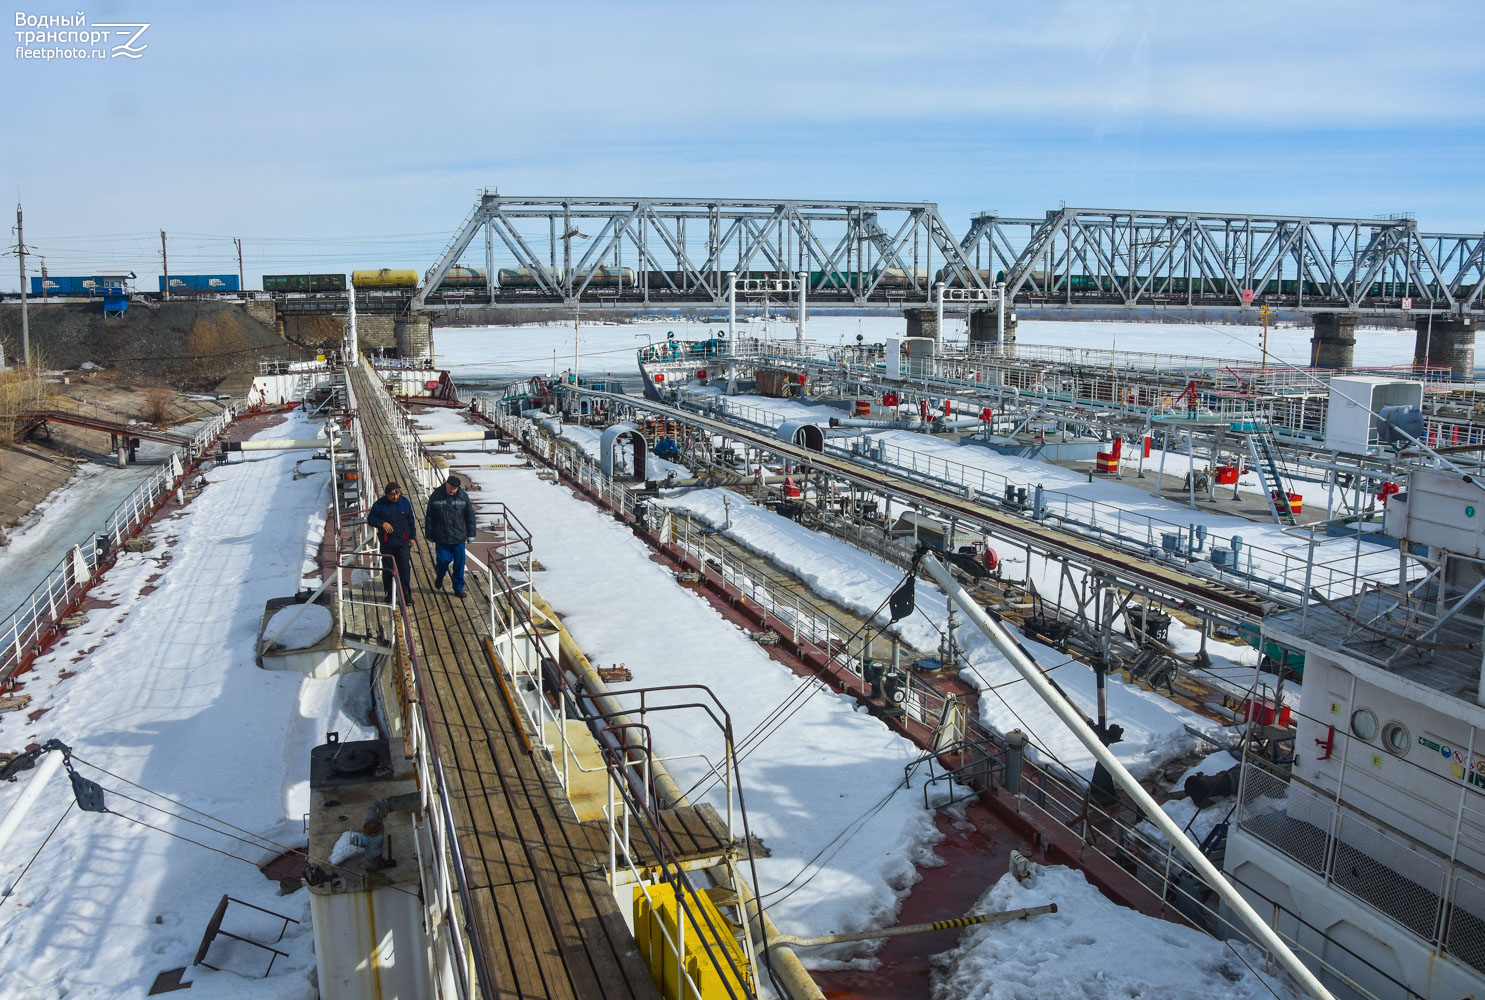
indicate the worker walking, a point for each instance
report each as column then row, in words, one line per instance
column 397, row 531
column 448, row 524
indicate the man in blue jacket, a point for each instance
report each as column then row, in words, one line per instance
column 397, row 530
column 448, row 524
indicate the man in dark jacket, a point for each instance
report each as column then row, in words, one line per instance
column 448, row 524
column 397, row 530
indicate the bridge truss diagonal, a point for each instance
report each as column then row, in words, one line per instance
column 1130, row 258
column 683, row 249
column 637, row 253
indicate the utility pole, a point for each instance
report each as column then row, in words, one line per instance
column 241, row 281
column 1265, row 312
column 165, row 264
column 43, row 278
column 20, row 252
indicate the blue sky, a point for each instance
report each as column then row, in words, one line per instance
column 323, row 122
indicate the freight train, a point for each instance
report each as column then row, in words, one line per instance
column 658, row 281
column 82, row 286
column 468, row 282
column 303, row 282
column 1199, row 286
column 185, row 284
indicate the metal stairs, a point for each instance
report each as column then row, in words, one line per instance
column 1264, row 451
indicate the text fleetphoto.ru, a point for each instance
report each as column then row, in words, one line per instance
column 72, row 37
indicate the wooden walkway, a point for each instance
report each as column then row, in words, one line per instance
column 546, row 923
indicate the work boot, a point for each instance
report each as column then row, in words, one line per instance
column 438, row 583
column 458, row 593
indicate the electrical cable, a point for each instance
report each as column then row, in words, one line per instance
column 771, row 723
column 4, row 897
column 834, row 845
column 272, row 844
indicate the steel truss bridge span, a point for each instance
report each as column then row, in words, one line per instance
column 642, row 253
column 1204, row 596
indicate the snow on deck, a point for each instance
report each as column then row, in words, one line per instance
column 166, row 694
column 1154, row 726
column 824, row 792
column 1092, row 948
column 1270, row 551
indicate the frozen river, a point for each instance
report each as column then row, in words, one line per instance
column 493, row 354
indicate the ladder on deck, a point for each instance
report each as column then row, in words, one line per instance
column 1264, row 451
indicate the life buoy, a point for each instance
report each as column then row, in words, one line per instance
column 991, row 560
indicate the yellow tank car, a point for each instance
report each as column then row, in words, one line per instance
column 386, row 277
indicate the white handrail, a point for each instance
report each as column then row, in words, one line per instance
column 39, row 612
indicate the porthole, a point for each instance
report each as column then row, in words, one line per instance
column 1364, row 724
column 1396, row 739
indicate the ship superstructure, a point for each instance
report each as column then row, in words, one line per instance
column 1374, row 835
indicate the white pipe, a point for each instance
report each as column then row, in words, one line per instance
column 1000, row 313
column 941, row 310
column 804, row 279
column 282, row 444
column 1074, row 721
column 446, row 436
column 793, row 976
column 936, row 425
column 732, row 306
column 352, row 341
column 49, row 765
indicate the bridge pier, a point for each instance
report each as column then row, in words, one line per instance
column 922, row 321
column 414, row 337
column 1446, row 341
column 984, row 327
column 1333, row 344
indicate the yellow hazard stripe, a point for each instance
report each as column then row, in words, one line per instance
column 946, row 925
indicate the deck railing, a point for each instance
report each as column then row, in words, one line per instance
column 442, row 873
column 1335, row 566
column 523, row 655
column 1048, row 792
column 1435, row 897
column 27, row 627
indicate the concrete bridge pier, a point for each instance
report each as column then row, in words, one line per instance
column 413, row 337
column 985, row 328
column 1333, row 344
column 1448, row 342
column 922, row 321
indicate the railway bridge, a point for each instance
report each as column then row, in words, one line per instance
column 643, row 255
column 640, row 253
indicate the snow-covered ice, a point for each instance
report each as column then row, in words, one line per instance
column 514, row 352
